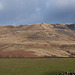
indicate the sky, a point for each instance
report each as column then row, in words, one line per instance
column 21, row 12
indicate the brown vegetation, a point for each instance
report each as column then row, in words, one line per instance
column 17, row 54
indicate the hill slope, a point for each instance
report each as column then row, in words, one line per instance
column 37, row 40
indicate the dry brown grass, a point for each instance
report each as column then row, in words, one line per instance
column 43, row 39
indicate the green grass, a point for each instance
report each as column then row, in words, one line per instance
column 35, row 66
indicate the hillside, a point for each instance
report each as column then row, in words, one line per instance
column 37, row 40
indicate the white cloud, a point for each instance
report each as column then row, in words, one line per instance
column 1, row 6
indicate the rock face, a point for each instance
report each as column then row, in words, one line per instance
column 44, row 40
column 67, row 73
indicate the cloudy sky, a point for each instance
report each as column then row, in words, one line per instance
column 19, row 12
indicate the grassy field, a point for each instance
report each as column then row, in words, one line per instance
column 35, row 66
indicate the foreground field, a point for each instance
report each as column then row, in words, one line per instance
column 35, row 66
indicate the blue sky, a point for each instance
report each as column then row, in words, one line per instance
column 19, row 12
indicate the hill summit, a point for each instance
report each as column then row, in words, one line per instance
column 39, row 40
